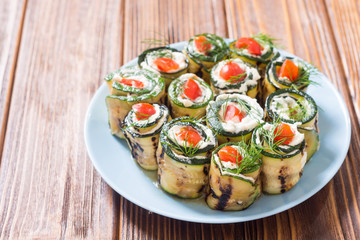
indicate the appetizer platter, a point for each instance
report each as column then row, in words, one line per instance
column 217, row 131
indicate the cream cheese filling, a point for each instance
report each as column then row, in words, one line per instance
column 282, row 103
column 187, row 102
column 210, row 137
column 222, row 83
column 178, row 57
column 252, row 119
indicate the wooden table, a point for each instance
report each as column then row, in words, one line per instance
column 53, row 57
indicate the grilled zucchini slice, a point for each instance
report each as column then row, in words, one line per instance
column 188, row 96
column 243, row 51
column 245, row 80
column 283, row 161
column 184, row 155
column 291, row 106
column 168, row 62
column 299, row 77
column 234, row 185
column 245, row 115
column 129, row 86
column 204, row 51
column 142, row 135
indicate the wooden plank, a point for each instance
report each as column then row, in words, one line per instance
column 176, row 21
column 11, row 16
column 48, row 186
column 306, row 32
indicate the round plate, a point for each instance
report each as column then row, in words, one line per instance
column 112, row 159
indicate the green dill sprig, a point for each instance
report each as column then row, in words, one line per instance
column 183, row 148
column 303, row 78
column 269, row 137
column 265, row 39
column 250, row 157
column 159, row 41
column 236, row 78
column 162, row 54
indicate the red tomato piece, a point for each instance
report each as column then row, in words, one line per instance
column 285, row 133
column 229, row 154
column 250, row 44
column 289, row 70
column 232, row 112
column 202, row 44
column 231, row 71
column 192, row 89
column 166, row 64
column 143, row 110
column 189, row 134
column 132, row 82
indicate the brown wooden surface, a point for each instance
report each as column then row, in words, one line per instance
column 53, row 56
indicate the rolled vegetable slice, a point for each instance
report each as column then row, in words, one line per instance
column 184, row 155
column 234, row 177
column 204, row 51
column 129, row 86
column 188, row 96
column 256, row 50
column 142, row 126
column 233, row 117
column 235, row 76
column 292, row 106
column 283, row 155
column 168, row 62
column 287, row 72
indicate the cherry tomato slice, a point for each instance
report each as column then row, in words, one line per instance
column 166, row 64
column 192, row 89
column 231, row 71
column 250, row 44
column 232, row 112
column 143, row 110
column 132, row 82
column 289, row 70
column 285, row 133
column 229, row 154
column 189, row 134
column 202, row 44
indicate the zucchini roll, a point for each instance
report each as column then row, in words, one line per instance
column 233, row 117
column 234, row 177
column 131, row 85
column 188, row 96
column 256, row 50
column 204, row 51
column 283, row 155
column 235, row 76
column 287, row 72
column 184, row 155
column 168, row 62
column 291, row 106
column 142, row 126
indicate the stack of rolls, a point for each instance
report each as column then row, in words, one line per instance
column 177, row 105
column 129, row 86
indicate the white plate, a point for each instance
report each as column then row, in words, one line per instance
column 112, row 159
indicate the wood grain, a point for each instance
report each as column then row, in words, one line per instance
column 48, row 187
column 12, row 18
column 53, row 56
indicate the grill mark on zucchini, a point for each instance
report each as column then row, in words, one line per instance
column 225, row 196
column 201, row 189
column 282, row 177
column 205, row 170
